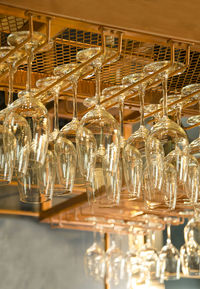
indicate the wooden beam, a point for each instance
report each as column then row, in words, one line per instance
column 70, row 204
column 19, row 213
column 106, row 247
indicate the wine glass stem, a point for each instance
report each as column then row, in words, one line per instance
column 121, row 116
column 179, row 111
column 75, row 90
column 56, row 121
column 95, row 234
column 102, row 238
column 168, row 233
column 29, row 68
column 98, row 84
column 11, row 78
column 148, row 239
column 164, row 85
column 199, row 113
column 141, row 96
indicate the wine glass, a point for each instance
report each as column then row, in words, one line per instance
column 95, row 256
column 169, row 258
column 69, row 130
column 84, row 55
column 63, row 149
column 187, row 90
column 132, row 260
column 114, row 261
column 193, row 227
column 191, row 187
column 165, row 134
column 36, row 40
column 47, row 176
column 194, row 146
column 149, row 258
column 19, row 130
column 31, row 109
column 35, row 186
column 134, row 158
column 11, row 61
column 7, row 151
column 98, row 139
column 149, row 108
column 118, row 180
column 190, row 256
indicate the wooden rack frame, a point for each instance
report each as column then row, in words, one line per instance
column 137, row 47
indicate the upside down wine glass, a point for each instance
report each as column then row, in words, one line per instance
column 28, row 107
column 194, row 147
column 94, row 258
column 68, row 132
column 169, row 258
column 180, row 162
column 115, row 260
column 134, row 158
column 55, row 185
column 149, row 259
column 19, row 129
column 117, row 181
column 36, row 115
column 190, row 255
column 168, row 136
column 97, row 140
column 84, row 55
column 10, row 153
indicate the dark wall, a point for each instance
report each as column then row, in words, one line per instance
column 35, row 256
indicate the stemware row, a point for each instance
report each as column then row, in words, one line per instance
column 158, row 166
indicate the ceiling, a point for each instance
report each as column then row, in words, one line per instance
column 173, row 19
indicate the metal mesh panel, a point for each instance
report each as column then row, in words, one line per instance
column 135, row 55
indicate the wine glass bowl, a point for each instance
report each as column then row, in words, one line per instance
column 16, row 126
column 35, row 113
column 13, row 58
column 169, row 257
column 7, row 151
column 86, row 54
column 98, row 135
column 157, row 65
column 190, row 257
column 63, row 69
column 18, row 37
column 29, row 186
column 109, row 91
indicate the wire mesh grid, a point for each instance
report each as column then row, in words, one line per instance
column 11, row 24
column 134, row 56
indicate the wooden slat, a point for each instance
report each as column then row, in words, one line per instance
column 70, row 204
column 19, row 213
